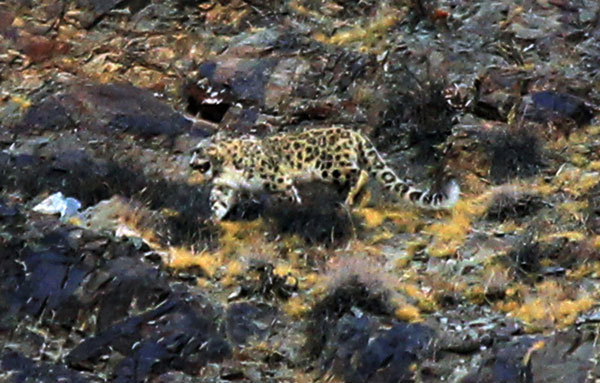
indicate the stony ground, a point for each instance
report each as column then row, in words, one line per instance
column 103, row 100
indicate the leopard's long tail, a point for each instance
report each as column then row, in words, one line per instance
column 445, row 198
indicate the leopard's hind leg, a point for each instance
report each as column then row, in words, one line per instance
column 356, row 180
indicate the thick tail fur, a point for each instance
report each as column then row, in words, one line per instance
column 445, row 198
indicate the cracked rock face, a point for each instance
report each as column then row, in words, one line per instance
column 120, row 304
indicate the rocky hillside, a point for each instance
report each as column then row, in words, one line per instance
column 122, row 277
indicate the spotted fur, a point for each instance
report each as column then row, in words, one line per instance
column 336, row 155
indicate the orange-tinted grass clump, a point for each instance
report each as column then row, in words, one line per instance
column 424, row 301
column 576, row 181
column 587, row 269
column 408, row 313
column 550, row 304
column 449, row 236
column 180, row 258
column 405, row 219
column 296, row 307
column 366, row 35
column 233, row 270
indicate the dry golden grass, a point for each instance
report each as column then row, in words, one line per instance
column 450, row 235
column 180, row 258
column 383, row 265
column 296, row 307
column 368, row 37
column 548, row 304
column 408, row 313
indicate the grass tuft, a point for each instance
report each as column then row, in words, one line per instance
column 512, row 154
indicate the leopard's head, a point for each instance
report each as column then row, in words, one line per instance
column 205, row 159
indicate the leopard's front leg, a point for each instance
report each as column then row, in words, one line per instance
column 222, row 199
column 285, row 190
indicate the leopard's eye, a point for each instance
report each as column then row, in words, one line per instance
column 203, row 168
column 202, row 165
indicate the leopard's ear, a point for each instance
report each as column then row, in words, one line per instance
column 203, row 147
column 211, row 145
